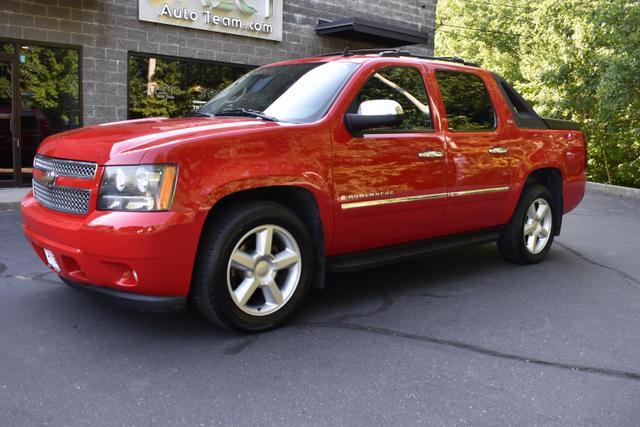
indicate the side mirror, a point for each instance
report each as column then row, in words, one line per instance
column 375, row 114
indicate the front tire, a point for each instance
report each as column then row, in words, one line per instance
column 254, row 266
column 529, row 235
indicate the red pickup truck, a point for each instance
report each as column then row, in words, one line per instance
column 333, row 163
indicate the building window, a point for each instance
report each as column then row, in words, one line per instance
column 172, row 87
column 47, row 94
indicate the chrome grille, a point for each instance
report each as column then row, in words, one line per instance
column 64, row 167
column 62, row 199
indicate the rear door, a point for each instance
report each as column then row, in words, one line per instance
column 478, row 172
column 389, row 184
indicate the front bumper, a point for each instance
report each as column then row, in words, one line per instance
column 147, row 303
column 140, row 253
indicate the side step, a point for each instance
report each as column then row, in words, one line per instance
column 390, row 254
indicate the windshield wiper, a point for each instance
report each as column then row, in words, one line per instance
column 246, row 112
column 198, row 114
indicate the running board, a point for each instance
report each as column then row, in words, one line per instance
column 391, row 254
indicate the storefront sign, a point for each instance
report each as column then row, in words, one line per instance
column 251, row 18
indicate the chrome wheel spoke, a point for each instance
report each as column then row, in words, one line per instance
column 532, row 242
column 272, row 293
column 264, row 241
column 242, row 261
column 286, row 259
column 543, row 233
column 245, row 291
column 542, row 211
column 532, row 213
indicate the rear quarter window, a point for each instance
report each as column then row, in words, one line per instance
column 466, row 101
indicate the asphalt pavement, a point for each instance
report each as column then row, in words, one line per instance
column 462, row 338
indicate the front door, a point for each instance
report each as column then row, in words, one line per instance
column 390, row 184
column 9, row 126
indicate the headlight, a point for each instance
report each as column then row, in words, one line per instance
column 137, row 188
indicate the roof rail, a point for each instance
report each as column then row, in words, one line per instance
column 394, row 52
column 347, row 51
column 455, row 59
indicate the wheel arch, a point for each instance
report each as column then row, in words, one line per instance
column 301, row 200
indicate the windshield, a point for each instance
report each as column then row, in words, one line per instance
column 297, row 93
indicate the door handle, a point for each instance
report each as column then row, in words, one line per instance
column 431, row 154
column 498, row 150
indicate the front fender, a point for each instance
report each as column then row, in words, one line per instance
column 211, row 169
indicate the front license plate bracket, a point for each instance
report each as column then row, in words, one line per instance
column 51, row 260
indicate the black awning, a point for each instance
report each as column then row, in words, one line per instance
column 374, row 32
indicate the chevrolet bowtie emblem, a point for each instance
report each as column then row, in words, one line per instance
column 49, row 179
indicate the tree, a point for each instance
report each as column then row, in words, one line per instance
column 573, row 59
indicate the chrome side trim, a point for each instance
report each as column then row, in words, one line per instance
column 479, row 191
column 394, row 200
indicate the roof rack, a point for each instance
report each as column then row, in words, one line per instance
column 347, row 51
column 455, row 59
column 397, row 53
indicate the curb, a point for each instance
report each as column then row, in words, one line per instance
column 614, row 190
column 9, row 206
column 10, row 198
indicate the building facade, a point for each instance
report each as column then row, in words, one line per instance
column 69, row 63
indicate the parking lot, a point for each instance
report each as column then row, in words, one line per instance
column 460, row 338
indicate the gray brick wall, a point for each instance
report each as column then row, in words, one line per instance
column 108, row 29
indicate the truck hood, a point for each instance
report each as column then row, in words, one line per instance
column 127, row 142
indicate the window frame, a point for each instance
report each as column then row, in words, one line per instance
column 444, row 106
column 148, row 55
column 420, row 71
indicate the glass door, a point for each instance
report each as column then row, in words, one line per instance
column 9, row 131
column 40, row 95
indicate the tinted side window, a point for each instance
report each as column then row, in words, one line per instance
column 405, row 86
column 466, row 101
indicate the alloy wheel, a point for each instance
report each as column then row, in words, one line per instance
column 264, row 270
column 537, row 226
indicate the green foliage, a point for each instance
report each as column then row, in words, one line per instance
column 573, row 59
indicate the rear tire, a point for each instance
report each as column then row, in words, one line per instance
column 254, row 266
column 529, row 235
